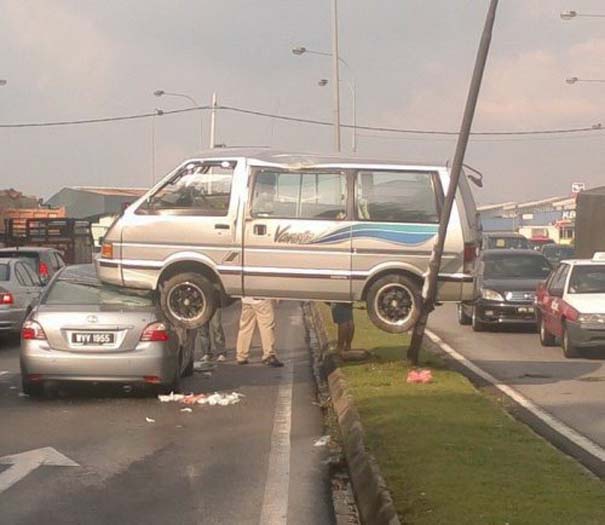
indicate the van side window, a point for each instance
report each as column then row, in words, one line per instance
column 294, row 195
column 197, row 189
column 396, row 196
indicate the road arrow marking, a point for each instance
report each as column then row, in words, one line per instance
column 25, row 462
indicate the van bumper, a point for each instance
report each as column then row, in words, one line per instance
column 455, row 287
column 108, row 271
column 136, row 274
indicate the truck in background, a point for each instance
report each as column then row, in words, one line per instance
column 590, row 218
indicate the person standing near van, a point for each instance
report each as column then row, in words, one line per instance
column 257, row 312
column 212, row 338
column 342, row 315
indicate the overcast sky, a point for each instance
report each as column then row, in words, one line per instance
column 412, row 60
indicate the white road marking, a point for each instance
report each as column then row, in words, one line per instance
column 275, row 501
column 575, row 437
column 25, row 462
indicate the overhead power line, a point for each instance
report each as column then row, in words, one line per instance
column 288, row 118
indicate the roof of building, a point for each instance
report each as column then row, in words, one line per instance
column 109, row 191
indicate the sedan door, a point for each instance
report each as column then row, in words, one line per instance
column 26, row 292
column 552, row 299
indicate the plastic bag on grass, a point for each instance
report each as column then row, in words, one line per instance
column 420, row 376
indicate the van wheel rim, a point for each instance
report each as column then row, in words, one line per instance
column 186, row 301
column 394, row 304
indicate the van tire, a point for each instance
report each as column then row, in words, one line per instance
column 176, row 295
column 394, row 288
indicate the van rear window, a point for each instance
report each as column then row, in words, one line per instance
column 4, row 272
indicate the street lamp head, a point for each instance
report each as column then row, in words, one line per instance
column 159, row 112
column 322, row 82
column 299, row 50
column 159, row 92
column 2, row 82
column 571, row 80
column 568, row 15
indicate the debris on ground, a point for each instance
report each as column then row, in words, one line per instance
column 186, row 409
column 322, row 441
column 420, row 376
column 218, row 398
column 171, row 397
column 149, row 420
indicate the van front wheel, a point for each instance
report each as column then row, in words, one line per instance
column 188, row 300
column 394, row 303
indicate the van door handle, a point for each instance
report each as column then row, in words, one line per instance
column 222, row 227
column 260, row 229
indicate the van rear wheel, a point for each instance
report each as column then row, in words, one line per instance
column 394, row 303
column 188, row 300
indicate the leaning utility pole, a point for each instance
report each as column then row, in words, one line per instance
column 429, row 292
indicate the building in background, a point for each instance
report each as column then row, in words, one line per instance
column 92, row 203
column 545, row 220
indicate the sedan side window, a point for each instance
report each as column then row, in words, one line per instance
column 557, row 284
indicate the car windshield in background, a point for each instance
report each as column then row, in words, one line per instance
column 516, row 267
column 508, row 243
column 588, row 279
column 4, row 272
column 29, row 257
column 85, row 293
column 558, row 253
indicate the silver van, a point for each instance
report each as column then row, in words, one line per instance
column 235, row 223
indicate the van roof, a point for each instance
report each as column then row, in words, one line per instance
column 262, row 155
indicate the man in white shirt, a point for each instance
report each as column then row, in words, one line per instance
column 257, row 312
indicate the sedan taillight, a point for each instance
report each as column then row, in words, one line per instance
column 43, row 269
column 7, row 298
column 155, row 332
column 32, row 331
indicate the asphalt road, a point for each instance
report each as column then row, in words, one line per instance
column 253, row 462
column 572, row 390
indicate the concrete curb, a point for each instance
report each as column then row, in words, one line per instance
column 371, row 492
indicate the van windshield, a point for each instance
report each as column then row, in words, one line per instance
column 197, row 189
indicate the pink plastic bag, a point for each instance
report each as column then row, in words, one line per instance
column 420, row 376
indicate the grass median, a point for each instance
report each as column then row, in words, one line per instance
column 452, row 455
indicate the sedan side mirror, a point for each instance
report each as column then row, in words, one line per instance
column 556, row 292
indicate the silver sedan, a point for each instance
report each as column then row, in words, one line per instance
column 20, row 289
column 83, row 330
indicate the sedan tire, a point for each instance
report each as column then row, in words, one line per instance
column 476, row 323
column 569, row 350
column 463, row 318
column 546, row 338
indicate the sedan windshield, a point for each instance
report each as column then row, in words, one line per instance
column 516, row 267
column 84, row 293
column 588, row 279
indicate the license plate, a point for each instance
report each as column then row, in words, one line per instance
column 92, row 338
column 526, row 309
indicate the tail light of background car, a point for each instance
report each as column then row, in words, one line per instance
column 155, row 332
column 6, row 298
column 43, row 269
column 470, row 255
column 32, row 331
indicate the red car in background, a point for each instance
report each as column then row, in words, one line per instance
column 571, row 306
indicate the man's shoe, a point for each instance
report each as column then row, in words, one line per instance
column 243, row 362
column 273, row 362
column 206, row 358
column 221, row 358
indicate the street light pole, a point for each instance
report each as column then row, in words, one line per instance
column 336, row 75
column 570, row 15
column 161, row 93
column 158, row 112
column 429, row 293
column 574, row 80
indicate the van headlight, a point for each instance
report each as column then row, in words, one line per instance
column 491, row 295
column 591, row 319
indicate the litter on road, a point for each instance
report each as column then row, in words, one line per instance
column 218, row 398
column 420, row 376
column 203, row 366
column 149, row 420
column 186, row 409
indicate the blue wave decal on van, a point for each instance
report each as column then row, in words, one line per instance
column 408, row 234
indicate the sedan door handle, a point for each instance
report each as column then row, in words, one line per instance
column 222, row 227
